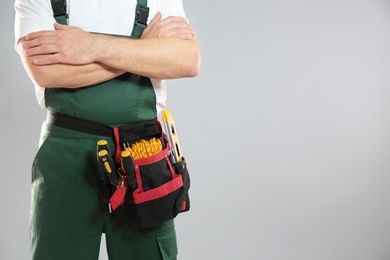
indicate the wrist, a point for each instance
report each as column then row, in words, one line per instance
column 100, row 50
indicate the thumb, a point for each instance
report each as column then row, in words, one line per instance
column 156, row 18
column 59, row 26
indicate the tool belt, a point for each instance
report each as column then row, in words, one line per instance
column 148, row 190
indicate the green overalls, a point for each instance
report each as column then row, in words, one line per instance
column 67, row 215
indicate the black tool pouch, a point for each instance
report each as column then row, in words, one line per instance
column 157, row 190
column 162, row 189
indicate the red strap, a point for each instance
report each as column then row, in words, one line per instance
column 118, row 197
column 138, row 179
column 159, row 192
column 117, row 145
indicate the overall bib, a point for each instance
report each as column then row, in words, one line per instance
column 67, row 215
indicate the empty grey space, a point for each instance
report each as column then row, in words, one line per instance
column 286, row 132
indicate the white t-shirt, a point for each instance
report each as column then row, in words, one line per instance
column 99, row 16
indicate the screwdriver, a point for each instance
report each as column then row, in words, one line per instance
column 128, row 167
column 102, row 145
column 108, row 166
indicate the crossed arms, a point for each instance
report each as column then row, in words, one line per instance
column 69, row 57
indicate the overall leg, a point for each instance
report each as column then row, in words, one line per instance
column 66, row 210
column 141, row 243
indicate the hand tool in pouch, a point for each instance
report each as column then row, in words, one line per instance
column 102, row 145
column 170, row 131
column 108, row 166
column 128, row 167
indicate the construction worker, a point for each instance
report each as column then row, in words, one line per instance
column 94, row 61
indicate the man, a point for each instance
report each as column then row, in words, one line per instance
column 91, row 70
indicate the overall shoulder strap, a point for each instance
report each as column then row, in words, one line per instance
column 59, row 11
column 141, row 18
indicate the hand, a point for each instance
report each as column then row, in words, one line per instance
column 66, row 44
column 171, row 26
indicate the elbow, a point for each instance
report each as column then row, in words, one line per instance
column 42, row 79
column 187, row 66
column 194, row 64
column 46, row 76
column 191, row 60
column 38, row 75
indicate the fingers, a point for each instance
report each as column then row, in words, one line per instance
column 184, row 36
column 31, row 43
column 48, row 33
column 40, row 43
column 47, row 60
column 179, row 30
column 178, row 25
column 170, row 27
column 34, row 35
column 40, row 50
column 174, row 21
column 45, row 42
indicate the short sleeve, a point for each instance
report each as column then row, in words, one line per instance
column 172, row 8
column 32, row 16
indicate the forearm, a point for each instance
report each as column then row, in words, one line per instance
column 67, row 75
column 163, row 58
column 70, row 76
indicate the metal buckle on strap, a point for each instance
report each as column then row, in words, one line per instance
column 141, row 14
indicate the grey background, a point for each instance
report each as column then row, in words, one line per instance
column 286, row 132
